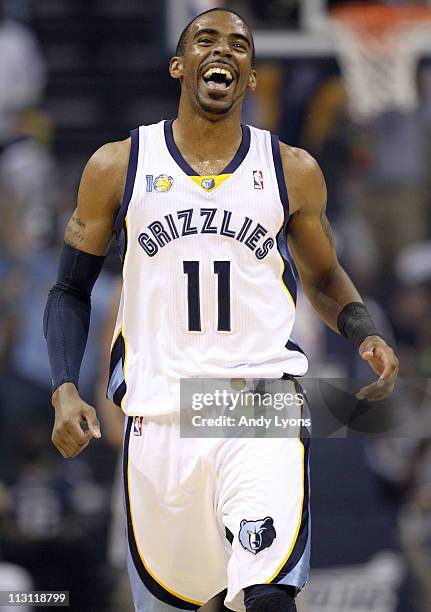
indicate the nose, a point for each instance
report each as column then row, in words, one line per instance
column 223, row 48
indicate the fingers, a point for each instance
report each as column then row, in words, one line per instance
column 381, row 388
column 90, row 417
column 366, row 350
column 73, row 431
column 384, row 362
column 370, row 354
column 68, row 449
column 389, row 374
column 391, row 363
column 378, row 350
column 376, row 391
column 68, row 440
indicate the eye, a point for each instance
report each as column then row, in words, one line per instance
column 205, row 41
column 239, row 45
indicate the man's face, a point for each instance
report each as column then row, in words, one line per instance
column 216, row 67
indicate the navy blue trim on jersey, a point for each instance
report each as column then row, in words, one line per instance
column 241, row 153
column 119, row 394
column 278, row 165
column 130, row 181
column 289, row 274
column 289, row 278
column 185, row 166
column 152, row 585
column 292, row 346
column 303, row 535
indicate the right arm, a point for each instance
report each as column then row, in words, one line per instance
column 67, row 313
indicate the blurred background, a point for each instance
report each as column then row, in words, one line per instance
column 74, row 75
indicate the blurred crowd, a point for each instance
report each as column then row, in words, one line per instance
column 55, row 512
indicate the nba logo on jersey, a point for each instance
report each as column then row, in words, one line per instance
column 258, row 179
column 137, row 426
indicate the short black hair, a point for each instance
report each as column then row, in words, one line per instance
column 182, row 41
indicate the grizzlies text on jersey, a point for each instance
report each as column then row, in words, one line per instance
column 208, row 287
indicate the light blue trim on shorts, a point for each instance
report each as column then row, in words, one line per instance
column 300, row 573
column 143, row 600
column 117, row 377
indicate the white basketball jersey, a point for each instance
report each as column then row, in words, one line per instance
column 208, row 289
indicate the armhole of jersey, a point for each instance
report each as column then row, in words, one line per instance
column 289, row 274
column 278, row 165
column 130, row 181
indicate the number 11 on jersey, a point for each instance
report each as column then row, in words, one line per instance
column 222, row 271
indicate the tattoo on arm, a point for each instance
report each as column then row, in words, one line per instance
column 326, row 227
column 75, row 231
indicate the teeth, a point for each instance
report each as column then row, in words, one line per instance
column 212, row 71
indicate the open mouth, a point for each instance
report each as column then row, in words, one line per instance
column 218, row 78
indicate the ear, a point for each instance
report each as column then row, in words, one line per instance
column 176, row 67
column 252, row 80
column 242, row 523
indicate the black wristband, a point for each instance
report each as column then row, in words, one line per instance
column 355, row 323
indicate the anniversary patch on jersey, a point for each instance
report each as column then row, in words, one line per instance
column 161, row 183
column 255, row 536
column 187, row 222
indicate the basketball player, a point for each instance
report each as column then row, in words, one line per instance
column 203, row 207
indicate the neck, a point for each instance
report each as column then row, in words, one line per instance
column 207, row 137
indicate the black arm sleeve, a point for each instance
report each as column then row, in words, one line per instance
column 67, row 313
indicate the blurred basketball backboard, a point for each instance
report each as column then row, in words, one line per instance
column 307, row 37
column 285, row 40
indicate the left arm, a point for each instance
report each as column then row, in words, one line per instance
column 324, row 281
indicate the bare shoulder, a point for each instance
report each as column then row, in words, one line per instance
column 112, row 153
column 103, row 180
column 108, row 166
column 304, row 179
column 297, row 159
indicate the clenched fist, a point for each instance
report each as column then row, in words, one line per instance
column 75, row 421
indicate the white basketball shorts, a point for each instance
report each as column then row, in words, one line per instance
column 208, row 514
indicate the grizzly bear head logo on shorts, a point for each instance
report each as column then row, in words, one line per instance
column 257, row 535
